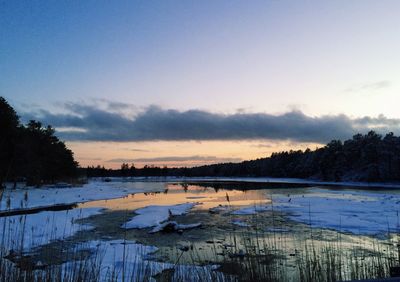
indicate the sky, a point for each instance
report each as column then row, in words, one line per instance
column 195, row 82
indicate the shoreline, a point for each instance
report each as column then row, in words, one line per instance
column 269, row 180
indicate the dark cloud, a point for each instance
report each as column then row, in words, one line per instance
column 155, row 123
column 177, row 159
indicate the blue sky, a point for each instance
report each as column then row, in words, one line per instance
column 317, row 58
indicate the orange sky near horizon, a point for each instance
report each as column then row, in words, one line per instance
column 178, row 153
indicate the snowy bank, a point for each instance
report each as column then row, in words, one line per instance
column 30, row 197
column 34, row 230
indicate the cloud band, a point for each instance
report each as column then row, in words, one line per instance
column 154, row 123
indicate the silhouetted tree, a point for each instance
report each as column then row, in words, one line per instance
column 32, row 152
column 9, row 124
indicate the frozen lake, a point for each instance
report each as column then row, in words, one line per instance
column 189, row 225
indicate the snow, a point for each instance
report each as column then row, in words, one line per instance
column 132, row 259
column 30, row 197
column 29, row 231
column 251, row 210
column 112, row 259
column 240, row 223
column 278, row 230
column 259, row 208
column 356, row 211
column 151, row 216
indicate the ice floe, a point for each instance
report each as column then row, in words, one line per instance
column 151, row 216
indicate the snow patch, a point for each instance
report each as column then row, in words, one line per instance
column 251, row 210
column 29, row 231
column 240, row 223
column 130, row 260
column 151, row 216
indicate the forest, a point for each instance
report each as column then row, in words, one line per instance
column 32, row 152
column 369, row 158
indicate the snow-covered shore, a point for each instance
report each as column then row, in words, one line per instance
column 30, row 197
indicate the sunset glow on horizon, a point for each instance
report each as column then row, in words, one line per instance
column 177, row 154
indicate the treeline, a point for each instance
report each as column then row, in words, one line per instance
column 31, row 152
column 127, row 170
column 370, row 157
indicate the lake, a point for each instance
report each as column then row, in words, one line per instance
column 202, row 229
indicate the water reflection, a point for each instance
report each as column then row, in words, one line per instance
column 207, row 197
